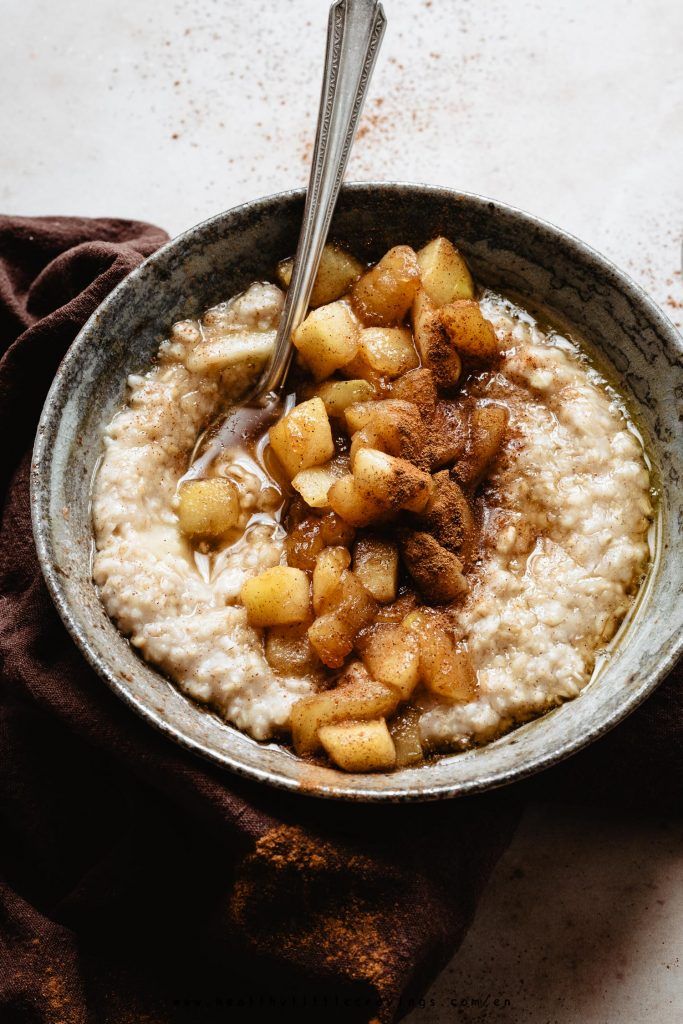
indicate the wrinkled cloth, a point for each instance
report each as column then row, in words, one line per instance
column 139, row 883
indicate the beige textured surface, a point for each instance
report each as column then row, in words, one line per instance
column 572, row 109
column 580, row 924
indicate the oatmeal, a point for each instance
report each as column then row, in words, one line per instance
column 180, row 611
column 433, row 542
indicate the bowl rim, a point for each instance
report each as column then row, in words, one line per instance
column 39, row 502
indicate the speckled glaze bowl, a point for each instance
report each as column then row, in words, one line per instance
column 508, row 250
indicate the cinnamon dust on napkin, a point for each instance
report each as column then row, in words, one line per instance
column 141, row 884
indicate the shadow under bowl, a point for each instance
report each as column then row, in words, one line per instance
column 508, row 250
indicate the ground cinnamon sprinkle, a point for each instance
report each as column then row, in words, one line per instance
column 326, row 915
column 59, row 998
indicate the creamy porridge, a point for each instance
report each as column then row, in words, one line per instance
column 466, row 501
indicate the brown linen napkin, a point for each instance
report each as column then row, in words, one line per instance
column 138, row 883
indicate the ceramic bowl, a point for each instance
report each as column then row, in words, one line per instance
column 508, row 250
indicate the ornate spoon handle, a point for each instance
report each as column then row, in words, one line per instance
column 354, row 34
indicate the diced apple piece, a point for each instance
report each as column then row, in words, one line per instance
column 365, row 438
column 383, row 352
column 335, row 531
column 349, row 503
column 392, row 482
column 470, row 332
column 453, row 677
column 331, row 639
column 437, row 572
column 447, row 434
column 448, row 517
column 327, row 577
column 304, row 542
column 289, row 651
column 404, row 728
column 347, row 608
column 338, row 395
column 488, row 424
column 444, row 273
column 375, row 563
column 357, row 607
column 207, row 509
column 384, row 294
column 327, row 339
column 419, row 387
column 359, row 746
column 313, row 484
column 434, row 343
column 303, row 438
column 277, row 597
column 359, row 415
column 391, row 426
column 356, row 697
column 391, row 655
column 218, row 352
column 445, row 666
column 337, row 272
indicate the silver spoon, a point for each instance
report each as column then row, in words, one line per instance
column 354, row 33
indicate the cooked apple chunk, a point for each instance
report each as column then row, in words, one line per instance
column 334, row 531
column 470, row 332
column 313, row 484
column 337, row 272
column 453, row 677
column 303, row 438
column 434, row 343
column 357, row 696
column 207, row 509
column 488, row 424
column 384, row 294
column 391, row 655
column 331, row 639
column 437, row 572
column 447, row 433
column 327, row 578
column 445, row 275
column 327, row 339
column 342, row 604
column 445, row 666
column 392, row 482
column 219, row 351
column 338, row 395
column 277, row 597
column 404, row 728
column 375, row 563
column 356, row 605
column 359, row 746
column 383, row 352
column 359, row 415
column 288, row 650
column 419, row 387
column 351, row 504
column 304, row 542
column 391, row 426
column 448, row 517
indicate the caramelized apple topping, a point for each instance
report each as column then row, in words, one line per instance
column 436, row 571
column 448, row 517
column 487, row 427
column 381, row 460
